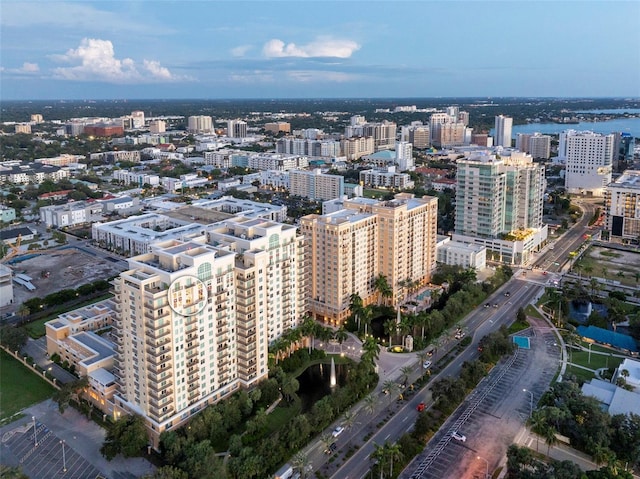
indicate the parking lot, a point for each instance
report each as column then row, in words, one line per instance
column 492, row 415
column 41, row 454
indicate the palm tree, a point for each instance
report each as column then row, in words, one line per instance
column 367, row 316
column 379, row 455
column 301, row 463
column 308, row 329
column 406, row 371
column 355, row 306
column 588, row 269
column 370, row 403
column 393, row 452
column 391, row 387
column 327, row 439
column 550, row 437
column 390, row 327
column 538, row 424
column 382, row 285
column 349, row 419
column 341, row 336
column 371, row 349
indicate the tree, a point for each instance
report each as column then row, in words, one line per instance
column 168, row 472
column 370, row 403
column 390, row 328
column 69, row 391
column 24, row 311
column 371, row 350
column 379, row 456
column 301, row 464
column 550, row 437
column 126, row 436
column 538, row 424
column 393, row 453
column 308, row 329
column 341, row 336
column 381, row 284
column 406, row 371
column 391, row 387
column 13, row 338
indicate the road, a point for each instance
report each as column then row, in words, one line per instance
column 479, row 323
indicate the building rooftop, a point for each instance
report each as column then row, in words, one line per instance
column 604, row 336
column 629, row 179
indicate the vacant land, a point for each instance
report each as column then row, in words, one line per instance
column 615, row 265
column 57, row 270
column 19, row 387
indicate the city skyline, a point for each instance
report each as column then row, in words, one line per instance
column 112, row 50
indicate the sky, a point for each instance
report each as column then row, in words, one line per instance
column 318, row 49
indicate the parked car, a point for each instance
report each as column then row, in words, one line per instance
column 421, row 407
column 426, row 364
column 337, row 431
column 459, row 436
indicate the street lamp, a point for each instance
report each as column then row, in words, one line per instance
column 590, row 344
column 35, row 437
column 64, row 458
column 486, row 475
column 530, row 401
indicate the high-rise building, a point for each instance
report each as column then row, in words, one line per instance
column 383, row 134
column 450, row 134
column 277, row 127
column 157, row 126
column 236, row 129
column 23, row 128
column 435, row 120
column 499, row 205
column 316, row 185
column 536, row 144
column 200, row 124
column 349, row 248
column 195, row 318
column 418, row 135
column 404, row 156
column 589, row 161
column 622, row 208
column 137, row 119
column 356, row 147
column 503, row 127
column 36, row 118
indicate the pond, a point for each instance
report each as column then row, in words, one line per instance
column 315, row 383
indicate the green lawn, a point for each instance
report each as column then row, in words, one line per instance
column 518, row 326
column 20, row 387
column 531, row 311
column 597, row 360
column 579, row 373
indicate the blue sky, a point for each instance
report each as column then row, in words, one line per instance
column 302, row 49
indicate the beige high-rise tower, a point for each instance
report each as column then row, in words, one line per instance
column 348, row 249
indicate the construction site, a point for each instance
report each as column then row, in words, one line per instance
column 42, row 272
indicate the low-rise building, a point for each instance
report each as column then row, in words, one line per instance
column 10, row 236
column 136, row 178
column 316, row 185
column 70, row 214
column 461, row 254
column 190, row 180
column 23, row 173
column 386, row 178
column 7, row 214
column 6, row 286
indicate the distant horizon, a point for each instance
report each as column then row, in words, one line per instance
column 473, row 97
column 249, row 49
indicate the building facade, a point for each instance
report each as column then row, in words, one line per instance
column 200, row 124
column 622, row 208
column 503, row 127
column 589, row 161
column 316, row 185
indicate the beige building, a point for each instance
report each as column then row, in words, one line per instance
column 349, row 248
column 23, row 128
column 277, row 127
column 315, row 185
column 196, row 318
column 341, row 254
column 157, row 126
column 356, row 147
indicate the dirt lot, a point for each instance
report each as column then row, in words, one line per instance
column 611, row 264
column 67, row 269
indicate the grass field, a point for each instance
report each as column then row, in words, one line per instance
column 19, row 387
column 614, row 265
column 597, row 360
column 531, row 311
column 579, row 373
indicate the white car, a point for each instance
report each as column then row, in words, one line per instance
column 459, row 437
column 426, row 364
column 337, row 431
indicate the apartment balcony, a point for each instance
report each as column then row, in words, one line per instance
column 191, row 346
column 223, row 346
column 117, row 333
column 192, row 336
column 157, row 344
column 192, row 378
column 191, row 329
column 157, row 360
column 160, row 416
column 159, row 368
column 189, row 320
column 160, row 402
column 246, row 355
column 157, row 333
column 246, row 341
column 158, row 387
column 159, row 394
column 191, row 353
column 192, row 362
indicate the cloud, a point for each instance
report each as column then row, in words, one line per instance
column 305, row 76
column 322, row 47
column 241, row 50
column 98, row 62
column 27, row 68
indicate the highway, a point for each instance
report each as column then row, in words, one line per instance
column 479, row 323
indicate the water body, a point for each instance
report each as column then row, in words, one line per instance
column 624, row 125
column 315, row 383
column 613, row 111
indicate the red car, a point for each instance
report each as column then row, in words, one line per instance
column 420, row 407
